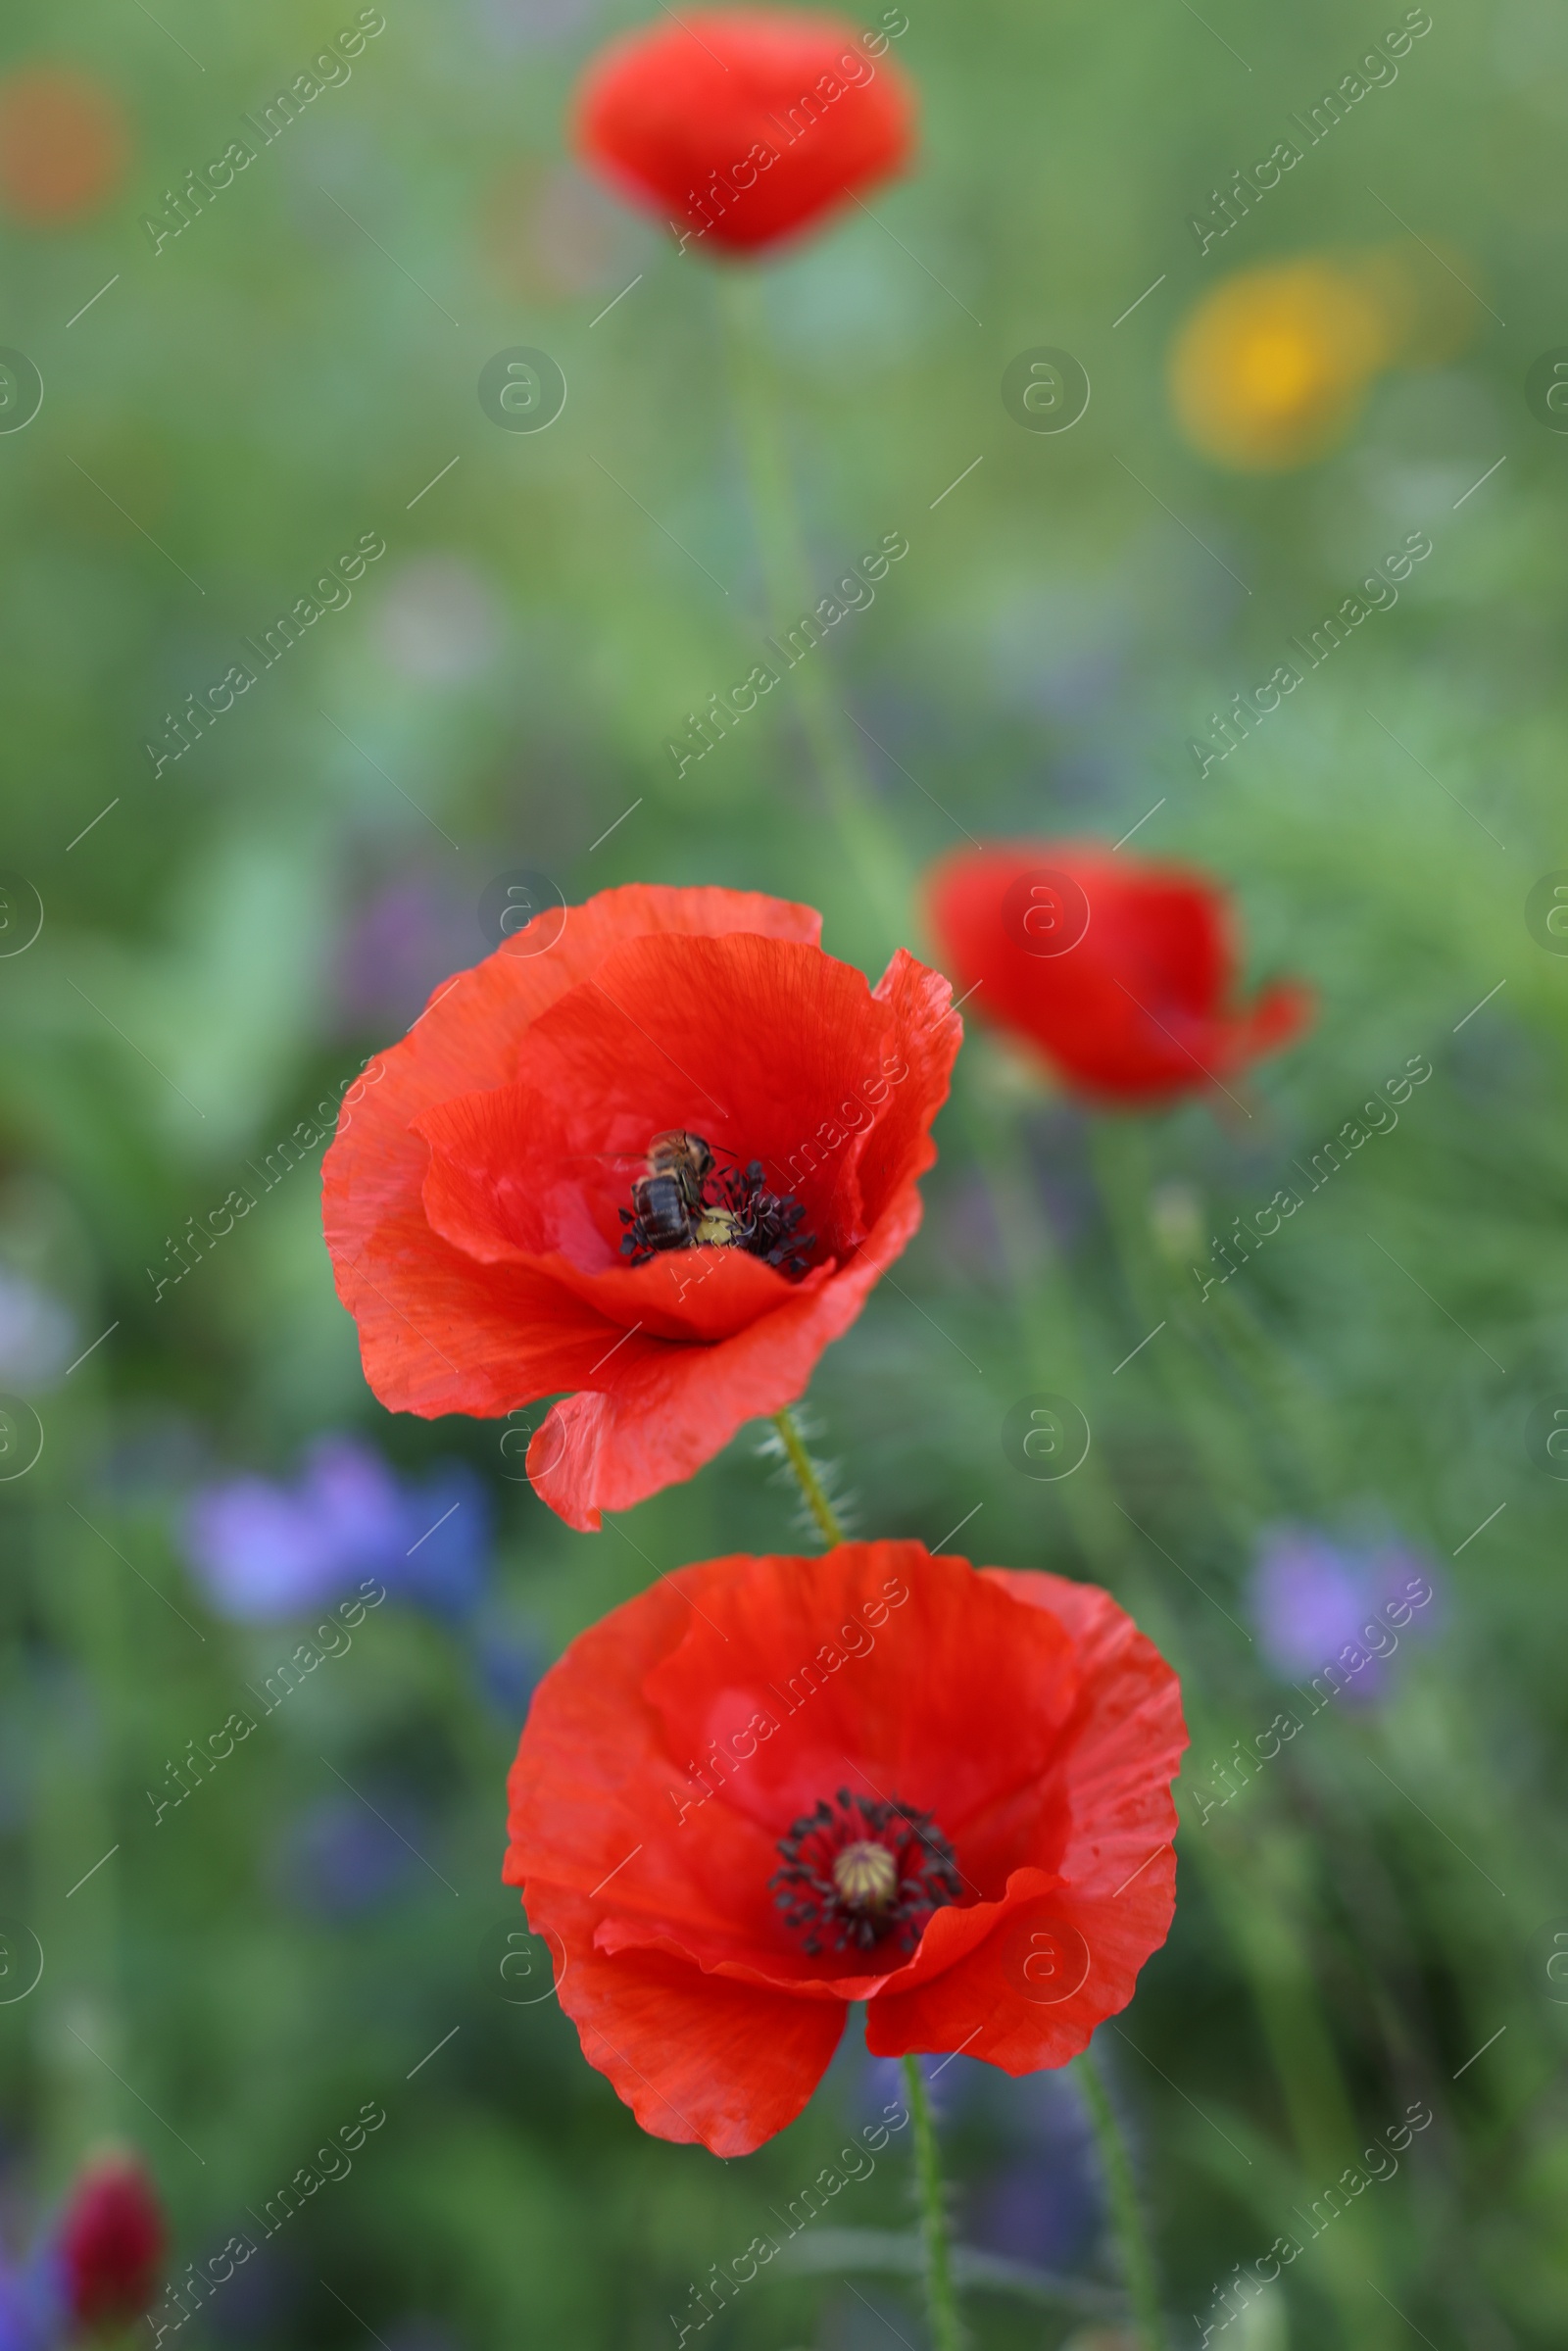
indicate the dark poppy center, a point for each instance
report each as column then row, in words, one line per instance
column 686, row 1199
column 860, row 1870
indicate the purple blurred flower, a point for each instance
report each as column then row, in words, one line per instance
column 1312, row 1600
column 262, row 1550
column 33, row 2304
column 338, row 1859
column 399, row 944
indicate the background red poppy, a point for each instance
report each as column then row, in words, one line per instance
column 1024, row 1713
column 745, row 128
column 1119, row 970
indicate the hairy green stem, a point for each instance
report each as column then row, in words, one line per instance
column 1136, row 2251
column 940, row 2295
column 810, row 1484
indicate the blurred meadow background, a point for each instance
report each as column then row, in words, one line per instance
column 1366, row 1920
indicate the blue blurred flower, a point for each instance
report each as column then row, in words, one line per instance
column 1045, row 2205
column 1042, row 2203
column 1311, row 1598
column 262, row 1550
column 33, row 2304
column 338, row 1859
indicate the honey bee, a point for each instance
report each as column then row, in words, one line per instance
column 668, row 1210
column 683, row 1201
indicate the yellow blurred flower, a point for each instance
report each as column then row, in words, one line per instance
column 1272, row 366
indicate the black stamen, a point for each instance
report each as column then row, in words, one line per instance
column 763, row 1222
column 832, row 1885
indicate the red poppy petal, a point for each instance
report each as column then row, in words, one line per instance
column 763, row 1047
column 938, row 1698
column 681, row 1848
column 695, row 2057
column 663, row 1411
column 1275, row 1017
column 467, row 1039
column 481, row 1195
column 1128, row 1735
column 949, row 1935
column 440, row 1333
column 1115, row 1898
column 1053, row 1967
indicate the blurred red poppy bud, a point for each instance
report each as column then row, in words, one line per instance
column 1119, row 970
column 745, row 128
column 112, row 2243
column 63, row 145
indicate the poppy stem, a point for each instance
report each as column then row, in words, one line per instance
column 874, row 848
column 817, row 1501
column 940, row 2295
column 1136, row 2251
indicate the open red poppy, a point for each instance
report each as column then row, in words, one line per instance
column 482, row 1197
column 745, row 128
column 767, row 1788
column 1119, row 970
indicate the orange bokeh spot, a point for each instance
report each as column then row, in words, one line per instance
column 1272, row 366
column 63, row 144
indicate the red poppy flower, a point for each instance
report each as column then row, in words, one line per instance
column 1119, row 970
column 111, row 2244
column 767, row 1788
column 497, row 1237
column 745, row 128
